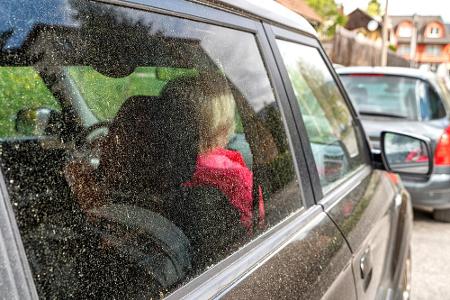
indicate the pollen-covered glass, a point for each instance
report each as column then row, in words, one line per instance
column 138, row 149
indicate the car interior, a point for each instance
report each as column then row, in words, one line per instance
column 113, row 201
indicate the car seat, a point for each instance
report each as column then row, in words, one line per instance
column 141, row 164
column 204, row 213
column 149, row 152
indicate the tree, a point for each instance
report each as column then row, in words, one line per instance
column 329, row 11
column 374, row 8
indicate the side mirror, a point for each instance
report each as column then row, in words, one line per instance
column 38, row 122
column 406, row 154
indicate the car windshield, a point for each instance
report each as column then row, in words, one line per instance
column 381, row 95
column 94, row 87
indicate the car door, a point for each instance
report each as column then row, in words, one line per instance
column 299, row 254
column 362, row 201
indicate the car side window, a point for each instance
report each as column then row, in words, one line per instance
column 26, row 103
column 432, row 108
column 328, row 121
column 172, row 155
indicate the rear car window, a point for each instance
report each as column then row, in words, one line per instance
column 394, row 96
column 384, row 95
column 329, row 124
column 162, row 149
column 95, row 87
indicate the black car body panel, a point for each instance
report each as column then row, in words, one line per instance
column 349, row 240
column 360, row 210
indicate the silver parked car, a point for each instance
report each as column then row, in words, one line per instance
column 414, row 101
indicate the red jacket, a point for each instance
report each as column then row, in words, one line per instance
column 226, row 171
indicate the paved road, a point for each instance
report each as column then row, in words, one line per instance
column 431, row 258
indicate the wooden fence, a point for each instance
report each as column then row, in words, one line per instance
column 349, row 49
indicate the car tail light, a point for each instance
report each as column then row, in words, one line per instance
column 442, row 154
column 395, row 179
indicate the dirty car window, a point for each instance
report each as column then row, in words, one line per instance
column 168, row 152
column 329, row 124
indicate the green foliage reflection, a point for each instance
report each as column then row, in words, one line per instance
column 21, row 87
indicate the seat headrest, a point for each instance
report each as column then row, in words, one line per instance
column 152, row 144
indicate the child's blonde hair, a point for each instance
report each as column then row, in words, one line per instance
column 214, row 104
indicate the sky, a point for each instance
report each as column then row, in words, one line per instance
column 405, row 7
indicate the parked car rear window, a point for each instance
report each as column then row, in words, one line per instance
column 445, row 92
column 431, row 106
column 163, row 149
column 328, row 121
column 394, row 96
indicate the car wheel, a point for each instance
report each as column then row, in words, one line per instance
column 442, row 215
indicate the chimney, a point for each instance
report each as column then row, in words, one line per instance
column 340, row 9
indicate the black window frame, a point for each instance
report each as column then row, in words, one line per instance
column 431, row 88
column 276, row 33
column 233, row 268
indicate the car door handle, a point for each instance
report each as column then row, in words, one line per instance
column 366, row 268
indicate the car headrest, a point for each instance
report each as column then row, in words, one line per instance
column 152, row 144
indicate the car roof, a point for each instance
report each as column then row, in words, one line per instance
column 272, row 11
column 268, row 10
column 396, row 71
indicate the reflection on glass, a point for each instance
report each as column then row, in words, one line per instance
column 393, row 96
column 170, row 150
column 22, row 89
column 406, row 154
column 326, row 116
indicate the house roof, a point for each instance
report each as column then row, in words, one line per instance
column 358, row 19
column 300, row 7
column 422, row 22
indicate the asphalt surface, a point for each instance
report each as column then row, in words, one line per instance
column 430, row 258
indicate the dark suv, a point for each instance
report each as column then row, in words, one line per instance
column 190, row 149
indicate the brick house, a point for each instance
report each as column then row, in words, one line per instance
column 433, row 38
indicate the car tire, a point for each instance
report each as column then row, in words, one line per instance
column 442, row 215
